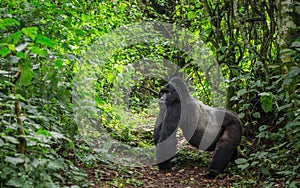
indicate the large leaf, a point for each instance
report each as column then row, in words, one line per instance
column 26, row 74
column 266, row 100
column 11, row 139
column 294, row 72
column 58, row 63
column 44, row 41
column 14, row 160
column 13, row 38
column 8, row 22
column 43, row 132
column 1, row 142
column 55, row 165
column 30, row 31
column 14, row 183
column 191, row 15
column 242, row 163
column 56, row 135
column 39, row 51
column 4, row 51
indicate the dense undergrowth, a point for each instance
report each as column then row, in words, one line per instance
column 43, row 45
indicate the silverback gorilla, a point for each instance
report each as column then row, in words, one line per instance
column 204, row 127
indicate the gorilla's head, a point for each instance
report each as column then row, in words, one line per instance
column 168, row 95
column 174, row 92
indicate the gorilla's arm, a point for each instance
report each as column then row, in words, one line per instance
column 157, row 130
column 159, row 121
column 166, row 145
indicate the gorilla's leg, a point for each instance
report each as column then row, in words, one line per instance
column 226, row 149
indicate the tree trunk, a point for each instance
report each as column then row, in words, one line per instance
column 287, row 21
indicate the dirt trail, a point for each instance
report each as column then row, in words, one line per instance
column 187, row 177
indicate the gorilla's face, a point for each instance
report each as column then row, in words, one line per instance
column 168, row 95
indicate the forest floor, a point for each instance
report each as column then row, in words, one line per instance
column 185, row 176
column 188, row 168
column 187, row 172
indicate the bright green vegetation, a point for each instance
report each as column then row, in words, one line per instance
column 44, row 50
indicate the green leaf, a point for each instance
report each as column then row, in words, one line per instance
column 294, row 72
column 4, row 51
column 56, row 135
column 256, row 115
column 99, row 101
column 285, row 106
column 119, row 68
column 266, row 100
column 265, row 171
column 30, row 31
column 262, row 128
column 55, row 165
column 241, row 161
column 191, row 15
column 44, row 41
column 241, row 92
column 35, row 163
column 26, row 74
column 295, row 44
column 19, row 97
column 1, row 142
column 38, row 51
column 109, row 78
column 264, row 94
column 285, row 172
column 11, row 139
column 13, row 38
column 43, row 132
column 8, row 22
column 85, row 18
column 243, row 166
column 75, row 186
column 20, row 55
column 14, row 160
column 14, row 183
column 58, row 63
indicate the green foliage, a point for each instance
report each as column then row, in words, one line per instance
column 266, row 100
column 188, row 156
column 43, row 43
column 276, row 115
column 40, row 44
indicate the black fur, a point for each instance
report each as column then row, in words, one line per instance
column 207, row 128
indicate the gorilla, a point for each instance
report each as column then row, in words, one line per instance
column 204, row 127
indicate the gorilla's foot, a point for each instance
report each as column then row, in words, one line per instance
column 166, row 165
column 211, row 174
column 164, row 171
